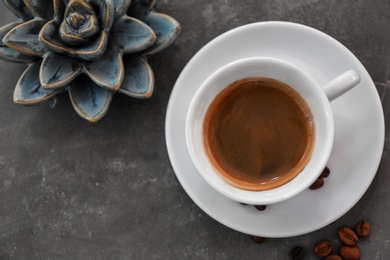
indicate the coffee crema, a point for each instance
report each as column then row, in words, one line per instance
column 259, row 133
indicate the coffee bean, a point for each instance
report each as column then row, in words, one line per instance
column 258, row 240
column 317, row 184
column 333, row 257
column 323, row 248
column 297, row 253
column 348, row 236
column 350, row 253
column 363, row 229
column 325, row 173
column 260, row 207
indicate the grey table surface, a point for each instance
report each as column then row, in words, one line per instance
column 74, row 190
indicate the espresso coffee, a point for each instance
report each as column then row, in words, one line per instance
column 259, row 133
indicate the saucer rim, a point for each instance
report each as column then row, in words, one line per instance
column 187, row 187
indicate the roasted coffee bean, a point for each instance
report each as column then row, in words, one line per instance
column 348, row 236
column 325, row 173
column 260, row 207
column 258, row 240
column 349, row 253
column 317, row 184
column 333, row 257
column 363, row 229
column 323, row 248
column 297, row 253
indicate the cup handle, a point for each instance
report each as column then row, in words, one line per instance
column 341, row 84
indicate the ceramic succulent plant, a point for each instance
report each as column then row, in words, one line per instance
column 90, row 48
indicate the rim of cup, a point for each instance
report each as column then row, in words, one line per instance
column 270, row 68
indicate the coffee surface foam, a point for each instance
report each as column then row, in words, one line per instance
column 259, row 133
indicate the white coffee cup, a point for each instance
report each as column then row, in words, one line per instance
column 317, row 97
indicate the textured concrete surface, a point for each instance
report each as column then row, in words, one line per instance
column 74, row 190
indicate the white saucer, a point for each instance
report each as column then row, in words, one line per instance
column 359, row 129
